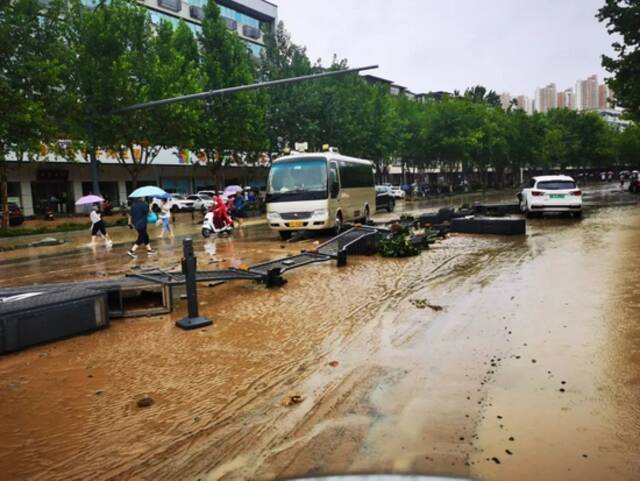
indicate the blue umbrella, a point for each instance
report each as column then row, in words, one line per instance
column 148, row 191
column 166, row 195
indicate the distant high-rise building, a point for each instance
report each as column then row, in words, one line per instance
column 570, row 99
column 603, row 97
column 546, row 98
column 566, row 99
column 505, row 100
column 587, row 93
column 524, row 103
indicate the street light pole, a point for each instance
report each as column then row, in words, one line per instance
column 95, row 184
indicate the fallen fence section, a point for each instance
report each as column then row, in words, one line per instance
column 496, row 210
column 489, row 225
column 38, row 316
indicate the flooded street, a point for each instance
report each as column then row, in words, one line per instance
column 524, row 364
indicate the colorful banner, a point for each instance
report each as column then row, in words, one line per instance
column 184, row 156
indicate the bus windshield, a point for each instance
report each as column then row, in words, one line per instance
column 298, row 179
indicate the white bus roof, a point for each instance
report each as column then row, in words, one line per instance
column 326, row 155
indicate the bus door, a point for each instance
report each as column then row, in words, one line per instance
column 334, row 189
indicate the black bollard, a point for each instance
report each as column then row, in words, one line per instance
column 193, row 320
column 341, row 259
column 274, row 278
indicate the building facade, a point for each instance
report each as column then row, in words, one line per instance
column 505, row 100
column 546, row 98
column 587, row 93
column 604, row 101
column 247, row 18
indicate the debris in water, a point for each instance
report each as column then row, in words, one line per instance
column 512, row 438
column 333, row 364
column 508, row 452
column 533, row 361
column 495, row 460
column 292, row 400
column 424, row 303
column 585, row 456
column 145, row 402
column 98, row 393
column 561, row 389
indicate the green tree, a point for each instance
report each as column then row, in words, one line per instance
column 34, row 60
column 627, row 145
column 123, row 60
column 479, row 94
column 292, row 113
column 232, row 128
column 622, row 17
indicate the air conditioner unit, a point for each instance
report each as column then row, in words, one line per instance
column 231, row 24
column 174, row 5
column 196, row 12
column 251, row 32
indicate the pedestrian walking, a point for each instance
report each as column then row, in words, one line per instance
column 138, row 220
column 165, row 218
column 98, row 227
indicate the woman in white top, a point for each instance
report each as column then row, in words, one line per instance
column 165, row 218
column 98, row 227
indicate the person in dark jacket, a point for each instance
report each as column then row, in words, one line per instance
column 138, row 221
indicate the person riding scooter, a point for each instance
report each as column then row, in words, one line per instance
column 217, row 219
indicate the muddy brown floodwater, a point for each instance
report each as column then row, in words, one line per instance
column 530, row 370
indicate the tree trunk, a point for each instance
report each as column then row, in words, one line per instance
column 4, row 193
column 134, row 179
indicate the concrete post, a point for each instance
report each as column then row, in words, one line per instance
column 122, row 191
column 26, row 198
column 76, row 187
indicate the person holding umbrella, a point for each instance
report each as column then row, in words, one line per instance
column 98, row 227
column 138, row 217
column 97, row 224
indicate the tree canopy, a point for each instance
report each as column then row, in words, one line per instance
column 622, row 18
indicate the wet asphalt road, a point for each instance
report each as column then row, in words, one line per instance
column 530, row 369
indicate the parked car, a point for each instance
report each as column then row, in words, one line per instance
column 177, row 203
column 200, row 201
column 551, row 193
column 397, row 192
column 384, row 198
column 15, row 214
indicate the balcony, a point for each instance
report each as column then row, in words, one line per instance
column 196, row 12
column 173, row 5
column 231, row 24
column 251, row 32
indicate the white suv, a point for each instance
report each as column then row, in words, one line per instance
column 200, row 201
column 551, row 193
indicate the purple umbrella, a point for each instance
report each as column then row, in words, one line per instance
column 231, row 190
column 89, row 199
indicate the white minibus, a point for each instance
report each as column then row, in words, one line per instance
column 319, row 191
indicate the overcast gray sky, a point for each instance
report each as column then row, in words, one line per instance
column 506, row 45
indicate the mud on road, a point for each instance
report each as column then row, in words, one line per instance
column 493, row 358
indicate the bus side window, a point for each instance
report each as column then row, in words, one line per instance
column 334, row 183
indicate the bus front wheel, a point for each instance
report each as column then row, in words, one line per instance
column 339, row 225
